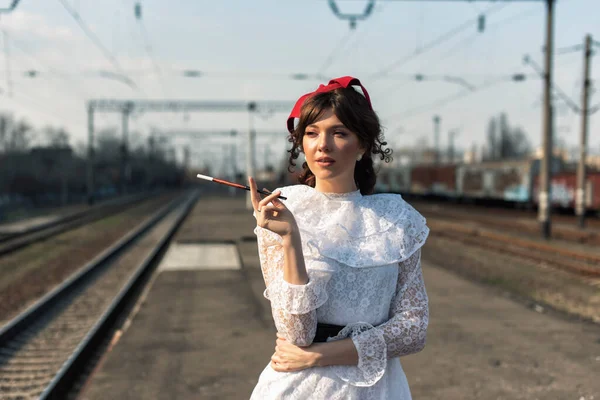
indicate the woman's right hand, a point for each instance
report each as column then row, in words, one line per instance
column 275, row 217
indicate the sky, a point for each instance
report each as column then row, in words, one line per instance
column 249, row 50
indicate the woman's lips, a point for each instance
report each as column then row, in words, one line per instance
column 325, row 163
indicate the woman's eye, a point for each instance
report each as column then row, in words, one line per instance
column 310, row 133
column 340, row 133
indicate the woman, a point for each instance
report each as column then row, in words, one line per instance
column 341, row 266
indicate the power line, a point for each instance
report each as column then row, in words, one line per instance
column 436, row 42
column 34, row 73
column 9, row 83
column 444, row 100
column 363, row 34
column 335, row 51
column 527, row 60
column 98, row 43
column 148, row 46
column 469, row 39
column 570, row 49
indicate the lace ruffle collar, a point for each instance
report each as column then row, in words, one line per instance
column 356, row 230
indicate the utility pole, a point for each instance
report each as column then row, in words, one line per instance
column 125, row 168
column 581, row 184
column 451, row 136
column 546, row 162
column 250, row 153
column 436, row 139
column 233, row 155
column 233, row 163
column 186, row 158
column 90, row 163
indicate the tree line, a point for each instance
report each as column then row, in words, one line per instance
column 41, row 166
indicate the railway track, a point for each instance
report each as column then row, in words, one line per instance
column 43, row 350
column 511, row 221
column 10, row 242
column 577, row 262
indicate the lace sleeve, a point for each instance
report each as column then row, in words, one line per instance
column 404, row 333
column 293, row 306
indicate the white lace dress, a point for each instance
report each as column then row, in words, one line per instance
column 362, row 254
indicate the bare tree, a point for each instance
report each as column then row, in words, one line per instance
column 108, row 144
column 14, row 136
column 492, row 134
column 56, row 137
column 506, row 142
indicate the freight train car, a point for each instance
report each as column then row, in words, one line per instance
column 438, row 181
column 393, row 180
column 505, row 181
column 512, row 183
column 564, row 188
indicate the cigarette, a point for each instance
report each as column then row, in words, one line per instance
column 236, row 185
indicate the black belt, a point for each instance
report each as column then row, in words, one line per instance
column 325, row 331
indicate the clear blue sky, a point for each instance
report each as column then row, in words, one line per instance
column 247, row 50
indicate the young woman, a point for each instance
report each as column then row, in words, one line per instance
column 341, row 265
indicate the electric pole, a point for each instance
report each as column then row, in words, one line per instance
column 436, row 138
column 251, row 152
column 125, row 168
column 546, row 162
column 232, row 161
column 451, row 136
column 581, row 184
column 233, row 155
column 90, row 163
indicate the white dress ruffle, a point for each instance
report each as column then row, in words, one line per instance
column 362, row 255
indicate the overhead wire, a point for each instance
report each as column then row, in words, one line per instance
column 434, row 43
column 18, row 45
column 96, row 41
column 34, row 104
column 420, row 26
column 150, row 53
column 9, row 83
column 335, row 51
column 444, row 100
column 471, row 38
column 456, row 96
column 357, row 38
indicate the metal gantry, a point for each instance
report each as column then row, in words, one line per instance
column 126, row 107
column 228, row 136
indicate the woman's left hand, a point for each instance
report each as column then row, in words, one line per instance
column 290, row 358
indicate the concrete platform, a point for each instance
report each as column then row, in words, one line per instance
column 207, row 334
column 200, row 331
column 29, row 223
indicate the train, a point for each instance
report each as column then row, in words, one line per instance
column 511, row 183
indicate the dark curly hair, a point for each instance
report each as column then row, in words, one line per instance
column 353, row 110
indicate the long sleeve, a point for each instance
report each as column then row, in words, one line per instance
column 404, row 333
column 293, row 306
column 406, row 330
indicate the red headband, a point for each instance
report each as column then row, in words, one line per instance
column 333, row 84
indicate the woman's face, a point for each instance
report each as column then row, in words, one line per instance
column 331, row 150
